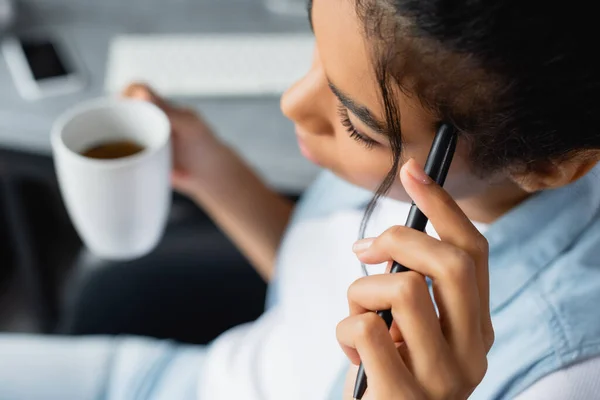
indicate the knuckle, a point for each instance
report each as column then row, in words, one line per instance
column 479, row 247
column 367, row 324
column 475, row 369
column 391, row 235
column 477, row 373
column 459, row 266
column 458, row 381
column 352, row 289
column 455, row 389
column 340, row 328
column 488, row 337
column 407, row 288
column 450, row 385
column 482, row 244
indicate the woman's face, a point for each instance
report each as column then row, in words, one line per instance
column 336, row 106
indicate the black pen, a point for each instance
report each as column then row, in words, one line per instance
column 437, row 166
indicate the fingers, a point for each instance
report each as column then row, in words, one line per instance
column 137, row 90
column 407, row 295
column 445, row 215
column 454, row 285
column 142, row 91
column 367, row 335
column 451, row 269
column 452, row 225
column 180, row 118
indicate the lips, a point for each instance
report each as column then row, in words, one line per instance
column 304, row 149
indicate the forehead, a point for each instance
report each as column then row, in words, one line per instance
column 344, row 51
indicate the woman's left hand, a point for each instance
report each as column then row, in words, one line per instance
column 423, row 356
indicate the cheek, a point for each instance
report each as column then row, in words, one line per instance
column 367, row 168
column 461, row 182
column 362, row 166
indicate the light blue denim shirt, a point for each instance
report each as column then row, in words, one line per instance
column 544, row 276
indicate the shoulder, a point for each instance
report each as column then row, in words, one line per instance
column 550, row 323
column 570, row 289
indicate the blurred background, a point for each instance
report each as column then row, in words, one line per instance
column 231, row 59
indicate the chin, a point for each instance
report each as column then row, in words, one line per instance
column 396, row 192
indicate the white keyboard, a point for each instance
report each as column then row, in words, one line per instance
column 211, row 66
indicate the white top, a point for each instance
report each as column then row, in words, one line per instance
column 294, row 342
column 580, row 381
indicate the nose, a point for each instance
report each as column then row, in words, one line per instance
column 308, row 103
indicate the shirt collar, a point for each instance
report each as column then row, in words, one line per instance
column 529, row 237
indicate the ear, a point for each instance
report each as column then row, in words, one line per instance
column 555, row 175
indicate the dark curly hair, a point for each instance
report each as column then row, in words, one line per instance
column 518, row 78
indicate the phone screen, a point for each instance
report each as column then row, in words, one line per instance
column 43, row 59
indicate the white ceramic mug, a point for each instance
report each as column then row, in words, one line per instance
column 118, row 206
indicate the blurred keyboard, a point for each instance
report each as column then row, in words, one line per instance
column 209, row 65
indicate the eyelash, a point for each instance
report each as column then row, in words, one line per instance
column 354, row 133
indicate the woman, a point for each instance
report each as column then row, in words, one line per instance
column 517, row 80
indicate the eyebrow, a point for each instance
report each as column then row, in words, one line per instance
column 361, row 112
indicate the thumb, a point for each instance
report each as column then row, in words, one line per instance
column 141, row 91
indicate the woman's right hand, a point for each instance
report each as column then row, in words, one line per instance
column 195, row 147
column 438, row 346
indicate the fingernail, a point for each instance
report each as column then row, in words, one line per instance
column 417, row 172
column 361, row 245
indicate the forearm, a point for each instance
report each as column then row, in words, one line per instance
column 252, row 215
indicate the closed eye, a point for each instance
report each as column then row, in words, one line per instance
column 351, row 129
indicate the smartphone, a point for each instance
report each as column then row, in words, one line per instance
column 40, row 67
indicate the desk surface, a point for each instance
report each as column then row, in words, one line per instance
column 254, row 126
